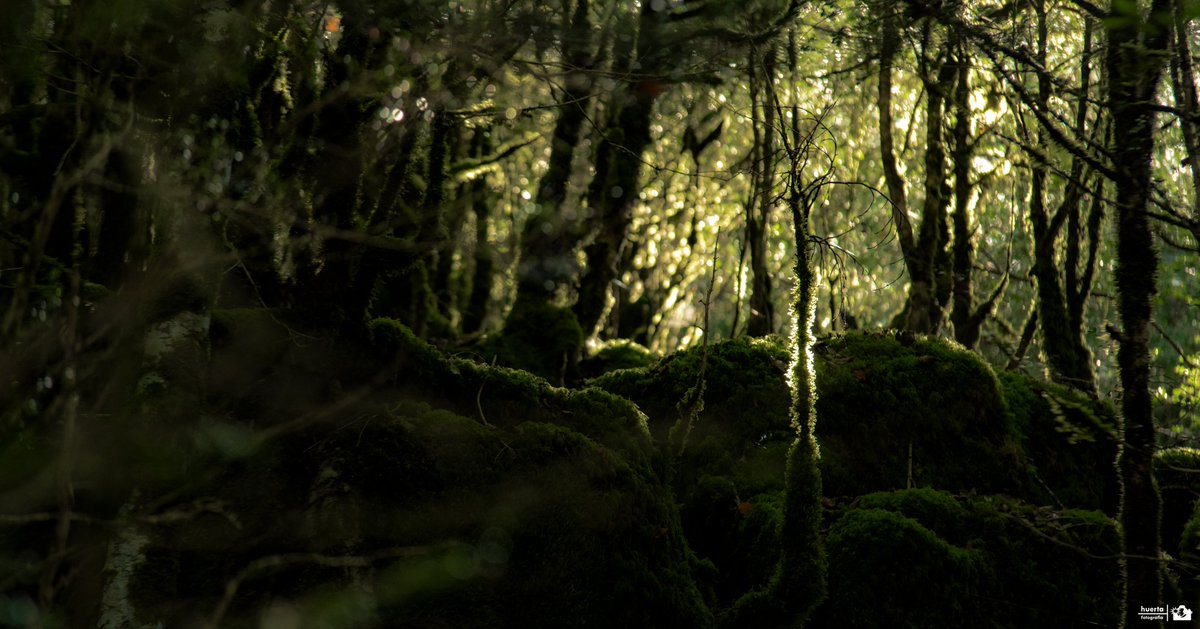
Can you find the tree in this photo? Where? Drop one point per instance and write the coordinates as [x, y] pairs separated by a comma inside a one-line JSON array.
[[1135, 59]]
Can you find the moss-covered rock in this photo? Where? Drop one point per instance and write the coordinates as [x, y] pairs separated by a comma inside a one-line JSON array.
[[923, 558], [1069, 440], [442, 493], [422, 517], [538, 337], [1177, 471], [613, 355], [504, 397], [742, 430], [888, 404]]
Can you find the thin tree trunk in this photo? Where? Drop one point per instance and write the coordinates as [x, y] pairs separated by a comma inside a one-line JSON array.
[[1067, 354], [967, 318], [484, 269], [761, 321]]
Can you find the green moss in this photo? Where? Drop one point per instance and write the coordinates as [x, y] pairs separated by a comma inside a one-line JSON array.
[[1067, 438], [936, 510], [745, 394], [613, 355], [924, 558], [535, 521], [882, 396], [538, 337], [504, 397], [1187, 569], [1178, 473], [889, 570]]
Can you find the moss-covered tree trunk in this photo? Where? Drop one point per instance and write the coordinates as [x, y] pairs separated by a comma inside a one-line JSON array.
[[801, 584], [617, 182], [550, 237], [761, 320], [1062, 340], [926, 253], [1135, 60], [798, 585]]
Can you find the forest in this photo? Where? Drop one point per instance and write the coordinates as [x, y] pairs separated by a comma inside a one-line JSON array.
[[599, 313]]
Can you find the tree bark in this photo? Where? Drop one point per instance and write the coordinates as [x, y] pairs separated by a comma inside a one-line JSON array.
[[614, 189], [1062, 339], [550, 237], [761, 321], [1135, 59]]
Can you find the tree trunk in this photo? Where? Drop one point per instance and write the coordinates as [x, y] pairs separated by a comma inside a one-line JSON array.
[[615, 187], [484, 269], [1135, 61], [1068, 356], [926, 254], [761, 321], [549, 238]]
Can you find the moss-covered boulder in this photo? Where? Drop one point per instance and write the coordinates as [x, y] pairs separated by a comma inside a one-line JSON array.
[[503, 397], [613, 355], [741, 430], [885, 404], [731, 472], [924, 558], [447, 494], [441, 493], [892, 408], [538, 337], [1069, 440], [1177, 471]]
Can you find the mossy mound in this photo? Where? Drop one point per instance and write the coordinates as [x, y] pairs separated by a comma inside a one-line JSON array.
[[924, 558], [504, 397], [878, 394], [538, 337], [742, 429], [1178, 473], [745, 396], [613, 355], [893, 406], [393, 508], [1069, 440], [731, 471]]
